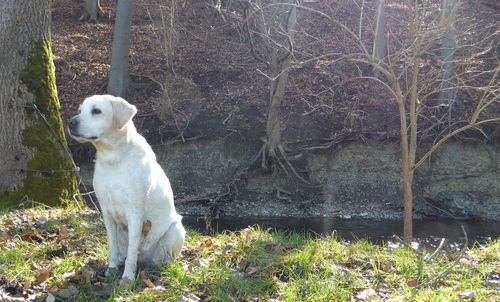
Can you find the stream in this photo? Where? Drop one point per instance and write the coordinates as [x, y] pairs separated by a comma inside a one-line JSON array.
[[426, 232]]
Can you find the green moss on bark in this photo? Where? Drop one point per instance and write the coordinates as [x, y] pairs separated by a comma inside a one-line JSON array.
[[48, 177]]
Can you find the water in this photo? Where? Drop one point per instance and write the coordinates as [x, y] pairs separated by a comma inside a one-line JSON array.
[[426, 232]]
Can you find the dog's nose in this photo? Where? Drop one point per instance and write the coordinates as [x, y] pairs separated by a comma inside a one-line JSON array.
[[73, 124]]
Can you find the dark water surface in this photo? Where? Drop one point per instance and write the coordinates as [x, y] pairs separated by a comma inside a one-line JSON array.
[[427, 232]]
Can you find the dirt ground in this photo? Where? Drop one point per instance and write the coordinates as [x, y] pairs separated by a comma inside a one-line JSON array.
[[215, 84]]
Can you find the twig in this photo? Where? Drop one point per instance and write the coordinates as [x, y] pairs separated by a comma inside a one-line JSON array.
[[193, 199], [361, 19], [441, 244], [452, 265]]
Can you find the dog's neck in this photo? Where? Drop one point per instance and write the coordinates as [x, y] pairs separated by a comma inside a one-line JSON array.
[[111, 147]]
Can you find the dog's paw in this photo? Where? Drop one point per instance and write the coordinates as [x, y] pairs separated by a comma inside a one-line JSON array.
[[111, 272], [150, 265], [125, 284]]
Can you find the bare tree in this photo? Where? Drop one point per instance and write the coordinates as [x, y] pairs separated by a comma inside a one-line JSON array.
[[35, 163], [448, 47], [270, 31], [93, 11], [379, 43], [414, 88], [412, 75], [118, 75], [163, 17]]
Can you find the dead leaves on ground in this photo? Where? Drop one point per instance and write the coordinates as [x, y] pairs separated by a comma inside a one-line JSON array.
[[44, 242], [231, 251], [42, 275], [235, 251], [146, 280], [31, 227]]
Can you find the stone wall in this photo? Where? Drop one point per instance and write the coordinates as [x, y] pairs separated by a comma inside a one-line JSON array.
[[353, 179]]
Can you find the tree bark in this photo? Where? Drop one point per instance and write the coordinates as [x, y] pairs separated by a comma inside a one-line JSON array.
[[279, 62], [379, 39], [118, 75], [406, 168], [277, 94], [34, 163], [449, 43]]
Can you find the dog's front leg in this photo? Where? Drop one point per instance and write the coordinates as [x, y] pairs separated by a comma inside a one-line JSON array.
[[113, 249], [134, 238]]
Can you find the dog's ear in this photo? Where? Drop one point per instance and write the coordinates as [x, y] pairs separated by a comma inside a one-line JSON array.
[[123, 112]]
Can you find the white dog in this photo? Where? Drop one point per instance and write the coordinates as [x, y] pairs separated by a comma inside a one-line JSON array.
[[134, 193]]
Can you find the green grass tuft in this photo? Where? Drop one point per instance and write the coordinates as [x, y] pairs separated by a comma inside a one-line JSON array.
[[247, 265]]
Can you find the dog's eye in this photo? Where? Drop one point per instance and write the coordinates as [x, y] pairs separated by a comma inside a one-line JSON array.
[[96, 111]]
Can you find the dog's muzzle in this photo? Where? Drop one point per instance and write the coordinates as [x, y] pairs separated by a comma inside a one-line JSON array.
[[73, 126], [73, 131]]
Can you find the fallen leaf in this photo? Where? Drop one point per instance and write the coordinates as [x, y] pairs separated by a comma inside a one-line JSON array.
[[146, 280], [63, 232], [27, 285], [87, 274], [42, 275], [8, 222], [68, 275], [202, 262], [50, 298], [412, 282], [32, 236], [6, 235], [278, 248], [365, 294], [188, 297], [251, 270], [102, 289], [68, 292], [158, 287], [388, 266], [467, 295], [207, 242]]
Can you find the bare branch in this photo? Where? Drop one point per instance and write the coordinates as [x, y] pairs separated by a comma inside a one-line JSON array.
[[450, 135]]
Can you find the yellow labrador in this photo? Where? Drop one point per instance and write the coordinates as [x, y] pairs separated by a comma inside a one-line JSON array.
[[133, 191]]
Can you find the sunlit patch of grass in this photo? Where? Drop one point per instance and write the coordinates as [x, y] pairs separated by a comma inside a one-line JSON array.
[[489, 252], [14, 263], [246, 265]]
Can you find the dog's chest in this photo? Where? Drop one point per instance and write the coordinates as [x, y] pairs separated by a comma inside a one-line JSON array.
[[119, 185]]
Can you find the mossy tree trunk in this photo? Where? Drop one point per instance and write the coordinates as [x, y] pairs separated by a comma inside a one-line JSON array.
[[34, 163]]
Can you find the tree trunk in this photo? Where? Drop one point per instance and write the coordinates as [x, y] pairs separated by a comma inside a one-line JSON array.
[[118, 75], [278, 65], [379, 39], [277, 94], [93, 11], [34, 163], [408, 199], [449, 43], [406, 166]]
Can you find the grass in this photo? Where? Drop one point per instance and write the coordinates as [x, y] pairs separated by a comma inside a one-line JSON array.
[[53, 250]]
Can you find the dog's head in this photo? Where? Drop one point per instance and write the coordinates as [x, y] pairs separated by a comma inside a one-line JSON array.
[[99, 117]]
